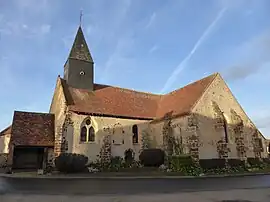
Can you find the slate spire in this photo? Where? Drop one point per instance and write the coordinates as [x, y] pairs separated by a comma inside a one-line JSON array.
[[80, 50]]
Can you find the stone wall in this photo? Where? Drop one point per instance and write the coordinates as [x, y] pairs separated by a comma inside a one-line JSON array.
[[4, 143], [116, 132], [59, 108], [3, 160], [182, 130], [239, 127]]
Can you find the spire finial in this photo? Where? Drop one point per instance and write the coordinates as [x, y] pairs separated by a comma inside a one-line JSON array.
[[81, 14]]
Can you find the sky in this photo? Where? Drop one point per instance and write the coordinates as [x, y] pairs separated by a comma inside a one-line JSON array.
[[154, 46]]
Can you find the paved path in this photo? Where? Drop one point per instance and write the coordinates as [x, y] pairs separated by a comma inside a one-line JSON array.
[[253, 195], [128, 186]]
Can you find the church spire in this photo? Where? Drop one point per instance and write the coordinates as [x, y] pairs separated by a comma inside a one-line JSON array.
[[80, 50]]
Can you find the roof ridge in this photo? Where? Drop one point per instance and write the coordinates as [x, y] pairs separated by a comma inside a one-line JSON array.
[[214, 75], [131, 90]]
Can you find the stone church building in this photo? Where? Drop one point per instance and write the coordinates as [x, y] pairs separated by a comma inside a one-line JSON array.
[[204, 119]]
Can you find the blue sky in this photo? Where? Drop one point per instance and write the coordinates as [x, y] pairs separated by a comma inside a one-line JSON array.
[[154, 46]]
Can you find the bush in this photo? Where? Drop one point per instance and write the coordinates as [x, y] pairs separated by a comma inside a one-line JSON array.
[[129, 156], [181, 160], [266, 160], [236, 163], [184, 164], [152, 157], [212, 163], [116, 163], [71, 163], [254, 161]]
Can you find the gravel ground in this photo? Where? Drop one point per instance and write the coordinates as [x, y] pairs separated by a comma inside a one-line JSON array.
[[239, 195]]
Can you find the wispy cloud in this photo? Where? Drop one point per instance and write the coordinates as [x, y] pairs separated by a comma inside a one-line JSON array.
[[240, 72], [45, 29], [252, 57], [153, 49], [261, 118], [119, 59], [21, 29], [34, 6], [151, 20], [184, 62]]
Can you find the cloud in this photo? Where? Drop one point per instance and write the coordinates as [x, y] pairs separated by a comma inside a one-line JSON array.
[[119, 59], [153, 49], [240, 72], [19, 29], [261, 117], [184, 62], [35, 6], [151, 20], [263, 122], [252, 56], [45, 29]]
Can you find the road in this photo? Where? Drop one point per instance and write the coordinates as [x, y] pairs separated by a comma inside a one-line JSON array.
[[128, 186]]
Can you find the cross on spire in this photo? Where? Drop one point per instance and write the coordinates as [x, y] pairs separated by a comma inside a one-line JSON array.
[[81, 15]]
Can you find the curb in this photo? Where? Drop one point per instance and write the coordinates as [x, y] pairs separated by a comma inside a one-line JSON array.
[[131, 177]]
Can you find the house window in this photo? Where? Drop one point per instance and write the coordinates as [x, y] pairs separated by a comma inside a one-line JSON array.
[[87, 132], [91, 134], [135, 138], [83, 134]]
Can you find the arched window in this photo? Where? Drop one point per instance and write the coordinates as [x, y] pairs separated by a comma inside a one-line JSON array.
[[87, 132], [91, 135], [83, 134], [225, 125], [135, 138]]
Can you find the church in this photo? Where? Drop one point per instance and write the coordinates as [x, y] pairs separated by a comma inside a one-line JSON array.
[[99, 120]]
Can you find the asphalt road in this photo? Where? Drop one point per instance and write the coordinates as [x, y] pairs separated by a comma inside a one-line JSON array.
[[128, 186]]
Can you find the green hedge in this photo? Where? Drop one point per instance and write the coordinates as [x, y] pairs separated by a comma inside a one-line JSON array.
[[71, 163], [152, 157]]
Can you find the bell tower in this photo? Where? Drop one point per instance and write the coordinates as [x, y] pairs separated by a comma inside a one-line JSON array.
[[79, 67]]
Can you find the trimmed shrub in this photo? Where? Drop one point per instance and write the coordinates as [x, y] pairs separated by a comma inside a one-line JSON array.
[[181, 160], [266, 160], [212, 163], [184, 164], [152, 157], [71, 163], [254, 161], [236, 163]]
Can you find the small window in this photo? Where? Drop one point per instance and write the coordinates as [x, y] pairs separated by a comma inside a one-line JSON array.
[[83, 134], [82, 73], [91, 137], [135, 138], [88, 122]]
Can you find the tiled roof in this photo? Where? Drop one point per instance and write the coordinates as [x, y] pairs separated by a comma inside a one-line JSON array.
[[114, 101], [32, 129], [108, 100], [6, 131], [181, 101]]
